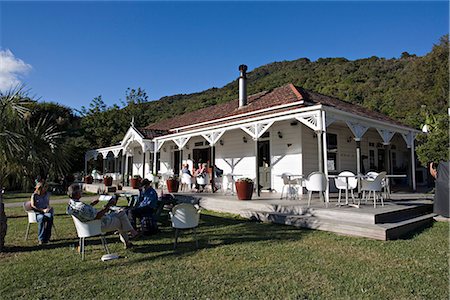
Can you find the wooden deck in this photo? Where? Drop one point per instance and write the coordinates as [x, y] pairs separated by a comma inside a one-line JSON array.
[[403, 215]]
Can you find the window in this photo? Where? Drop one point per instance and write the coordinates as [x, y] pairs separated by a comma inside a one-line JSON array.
[[332, 147], [331, 142]]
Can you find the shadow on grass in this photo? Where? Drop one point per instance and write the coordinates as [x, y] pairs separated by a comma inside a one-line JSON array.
[[215, 231]]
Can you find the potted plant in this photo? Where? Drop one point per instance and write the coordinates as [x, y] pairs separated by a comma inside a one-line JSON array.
[[244, 188], [135, 181], [88, 179], [107, 180], [172, 184]]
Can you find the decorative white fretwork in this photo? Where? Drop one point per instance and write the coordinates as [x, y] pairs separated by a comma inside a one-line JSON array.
[[116, 152], [386, 135], [213, 137], [181, 141], [409, 138], [357, 129], [158, 145], [311, 120], [256, 130]]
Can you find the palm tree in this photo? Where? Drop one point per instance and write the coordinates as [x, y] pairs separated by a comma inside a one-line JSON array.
[[12, 110], [42, 149]]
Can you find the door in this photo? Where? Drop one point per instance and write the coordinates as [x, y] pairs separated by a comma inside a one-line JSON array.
[[264, 164], [201, 156], [176, 162]]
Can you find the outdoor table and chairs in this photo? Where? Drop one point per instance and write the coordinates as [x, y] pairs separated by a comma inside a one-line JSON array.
[[345, 181], [291, 181], [372, 182]]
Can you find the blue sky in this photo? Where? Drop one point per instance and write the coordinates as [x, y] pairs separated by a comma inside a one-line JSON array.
[[71, 52]]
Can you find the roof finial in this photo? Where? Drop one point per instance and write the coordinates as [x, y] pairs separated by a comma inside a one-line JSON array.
[[132, 121]]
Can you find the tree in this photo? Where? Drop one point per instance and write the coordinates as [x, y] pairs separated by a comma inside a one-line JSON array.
[[434, 146], [12, 108]]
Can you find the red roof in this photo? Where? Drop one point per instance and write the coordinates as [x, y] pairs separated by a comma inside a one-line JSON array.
[[286, 94]]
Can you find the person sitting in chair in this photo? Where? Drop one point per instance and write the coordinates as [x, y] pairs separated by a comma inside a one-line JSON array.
[[146, 206], [201, 172], [110, 221], [40, 203]]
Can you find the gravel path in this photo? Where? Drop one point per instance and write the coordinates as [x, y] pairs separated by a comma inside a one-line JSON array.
[[57, 201]]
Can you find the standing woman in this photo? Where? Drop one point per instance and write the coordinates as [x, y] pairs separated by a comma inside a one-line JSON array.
[[40, 202]]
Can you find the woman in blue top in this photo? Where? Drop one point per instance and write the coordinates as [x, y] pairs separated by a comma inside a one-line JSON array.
[[40, 202]]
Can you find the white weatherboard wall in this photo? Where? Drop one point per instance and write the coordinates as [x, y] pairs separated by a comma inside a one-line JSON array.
[[346, 154], [310, 155], [235, 156], [148, 164], [286, 152], [137, 161]]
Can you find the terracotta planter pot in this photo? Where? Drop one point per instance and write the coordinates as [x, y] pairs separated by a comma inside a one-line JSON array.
[[107, 181], [244, 190], [135, 183], [172, 185], [88, 179]]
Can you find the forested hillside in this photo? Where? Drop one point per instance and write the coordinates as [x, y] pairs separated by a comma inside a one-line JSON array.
[[410, 88], [398, 87]]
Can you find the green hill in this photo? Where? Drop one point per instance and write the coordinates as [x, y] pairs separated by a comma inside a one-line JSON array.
[[397, 87]]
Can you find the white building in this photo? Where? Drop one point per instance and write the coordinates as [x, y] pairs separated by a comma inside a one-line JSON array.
[[287, 129]]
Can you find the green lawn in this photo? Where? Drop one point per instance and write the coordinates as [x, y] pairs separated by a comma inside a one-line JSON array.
[[237, 259]]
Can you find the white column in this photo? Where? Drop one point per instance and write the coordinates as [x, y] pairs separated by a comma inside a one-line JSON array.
[[319, 150], [325, 157], [358, 161], [155, 153], [126, 168], [258, 192]]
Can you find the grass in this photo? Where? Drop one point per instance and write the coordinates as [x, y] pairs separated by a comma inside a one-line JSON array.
[[237, 259]]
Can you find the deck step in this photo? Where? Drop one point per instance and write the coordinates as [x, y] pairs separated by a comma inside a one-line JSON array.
[[386, 231], [400, 229]]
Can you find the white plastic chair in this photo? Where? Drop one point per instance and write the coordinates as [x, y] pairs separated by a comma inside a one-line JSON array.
[[291, 185], [374, 186], [185, 216], [186, 181], [89, 229], [227, 184], [384, 183], [32, 218], [316, 182], [346, 184]]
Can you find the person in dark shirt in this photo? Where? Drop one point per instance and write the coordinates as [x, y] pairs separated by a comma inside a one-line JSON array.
[[147, 204], [441, 196]]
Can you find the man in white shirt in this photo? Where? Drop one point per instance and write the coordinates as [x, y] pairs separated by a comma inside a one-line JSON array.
[[110, 222]]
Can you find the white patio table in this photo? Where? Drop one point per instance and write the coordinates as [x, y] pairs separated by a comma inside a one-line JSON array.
[[346, 184]]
